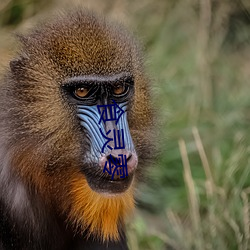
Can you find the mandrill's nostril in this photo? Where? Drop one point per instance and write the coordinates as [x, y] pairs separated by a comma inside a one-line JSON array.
[[129, 157], [112, 158]]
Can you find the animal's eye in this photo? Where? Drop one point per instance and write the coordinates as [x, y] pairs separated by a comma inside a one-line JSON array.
[[81, 92], [118, 89]]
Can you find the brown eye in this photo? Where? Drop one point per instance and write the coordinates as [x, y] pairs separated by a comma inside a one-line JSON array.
[[119, 89], [81, 92]]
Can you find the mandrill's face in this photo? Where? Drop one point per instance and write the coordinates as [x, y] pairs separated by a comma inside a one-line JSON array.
[[81, 104], [101, 102]]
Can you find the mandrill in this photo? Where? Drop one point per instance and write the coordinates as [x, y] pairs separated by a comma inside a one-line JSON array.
[[58, 138]]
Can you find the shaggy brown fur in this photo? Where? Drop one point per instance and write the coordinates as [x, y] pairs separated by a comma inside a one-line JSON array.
[[41, 143]]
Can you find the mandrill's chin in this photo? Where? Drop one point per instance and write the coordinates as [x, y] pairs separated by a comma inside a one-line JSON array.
[[103, 183], [99, 214]]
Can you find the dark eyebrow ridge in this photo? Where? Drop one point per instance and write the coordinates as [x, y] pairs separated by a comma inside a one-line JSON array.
[[98, 78]]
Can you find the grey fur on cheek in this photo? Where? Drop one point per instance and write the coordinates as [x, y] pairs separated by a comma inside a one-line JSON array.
[[14, 193]]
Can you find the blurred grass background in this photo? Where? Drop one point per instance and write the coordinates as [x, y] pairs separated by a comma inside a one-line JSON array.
[[197, 192]]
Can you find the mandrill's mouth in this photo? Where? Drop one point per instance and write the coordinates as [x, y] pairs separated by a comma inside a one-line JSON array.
[[104, 184]]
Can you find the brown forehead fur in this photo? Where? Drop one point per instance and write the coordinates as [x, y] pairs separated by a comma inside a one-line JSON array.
[[81, 43], [43, 132]]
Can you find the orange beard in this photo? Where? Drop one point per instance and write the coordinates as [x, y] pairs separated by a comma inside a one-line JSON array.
[[96, 212]]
